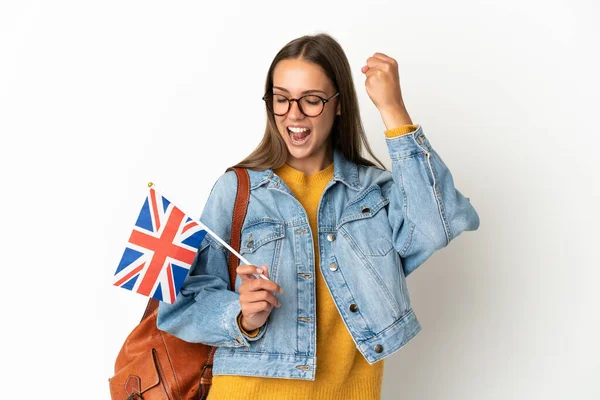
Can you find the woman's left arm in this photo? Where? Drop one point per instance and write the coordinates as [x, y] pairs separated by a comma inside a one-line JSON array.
[[426, 211]]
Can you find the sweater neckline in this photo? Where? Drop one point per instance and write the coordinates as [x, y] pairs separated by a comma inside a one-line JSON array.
[[290, 174]]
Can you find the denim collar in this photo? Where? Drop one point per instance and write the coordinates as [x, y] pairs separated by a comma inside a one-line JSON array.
[[344, 171]]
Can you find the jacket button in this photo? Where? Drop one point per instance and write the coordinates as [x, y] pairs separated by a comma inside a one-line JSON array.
[[353, 307], [331, 237], [378, 348], [333, 267]]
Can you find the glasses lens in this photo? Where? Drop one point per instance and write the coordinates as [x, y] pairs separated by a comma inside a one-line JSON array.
[[311, 105], [280, 104]]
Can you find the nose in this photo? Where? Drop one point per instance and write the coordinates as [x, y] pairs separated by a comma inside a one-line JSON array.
[[294, 112]]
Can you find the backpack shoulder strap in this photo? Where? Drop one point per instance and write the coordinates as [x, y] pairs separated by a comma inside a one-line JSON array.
[[239, 214]]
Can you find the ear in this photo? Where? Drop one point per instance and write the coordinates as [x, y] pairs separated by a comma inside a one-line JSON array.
[[339, 110]]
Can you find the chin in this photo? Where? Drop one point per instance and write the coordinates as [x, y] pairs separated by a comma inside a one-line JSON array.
[[299, 154]]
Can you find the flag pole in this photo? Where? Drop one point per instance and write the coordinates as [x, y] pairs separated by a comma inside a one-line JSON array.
[[218, 239]]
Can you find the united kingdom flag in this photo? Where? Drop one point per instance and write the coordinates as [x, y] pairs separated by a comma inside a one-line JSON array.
[[160, 251]]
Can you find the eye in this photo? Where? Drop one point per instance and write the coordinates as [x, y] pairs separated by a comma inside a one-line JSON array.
[[312, 100], [280, 99]]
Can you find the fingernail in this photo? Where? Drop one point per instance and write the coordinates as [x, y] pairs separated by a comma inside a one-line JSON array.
[[280, 291], [259, 270]]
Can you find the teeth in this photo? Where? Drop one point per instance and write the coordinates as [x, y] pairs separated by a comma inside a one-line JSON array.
[[297, 130]]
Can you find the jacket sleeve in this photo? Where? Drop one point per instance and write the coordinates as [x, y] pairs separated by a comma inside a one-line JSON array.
[[205, 310], [426, 211]]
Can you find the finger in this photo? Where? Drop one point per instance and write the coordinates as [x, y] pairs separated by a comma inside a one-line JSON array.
[[254, 297], [383, 57], [374, 62], [263, 284], [373, 71], [255, 308], [247, 272], [364, 69], [264, 270]]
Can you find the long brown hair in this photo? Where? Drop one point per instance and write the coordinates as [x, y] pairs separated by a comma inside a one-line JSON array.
[[347, 132]]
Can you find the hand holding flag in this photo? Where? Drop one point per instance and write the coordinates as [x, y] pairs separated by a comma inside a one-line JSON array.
[[161, 249]]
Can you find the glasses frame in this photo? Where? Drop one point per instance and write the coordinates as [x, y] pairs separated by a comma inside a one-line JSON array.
[[325, 101]]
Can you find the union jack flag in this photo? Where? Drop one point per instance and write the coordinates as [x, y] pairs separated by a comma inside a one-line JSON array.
[[160, 251]]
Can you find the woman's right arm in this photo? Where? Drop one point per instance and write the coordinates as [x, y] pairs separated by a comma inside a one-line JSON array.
[[206, 310]]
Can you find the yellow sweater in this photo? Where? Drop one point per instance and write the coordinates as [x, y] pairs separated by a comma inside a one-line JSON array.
[[342, 372]]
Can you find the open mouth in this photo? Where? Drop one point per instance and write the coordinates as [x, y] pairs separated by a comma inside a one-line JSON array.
[[298, 136]]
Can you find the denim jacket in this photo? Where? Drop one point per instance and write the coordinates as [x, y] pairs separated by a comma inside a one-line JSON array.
[[375, 227]]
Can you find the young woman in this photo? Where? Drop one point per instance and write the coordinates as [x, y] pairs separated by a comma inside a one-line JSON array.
[[335, 234]]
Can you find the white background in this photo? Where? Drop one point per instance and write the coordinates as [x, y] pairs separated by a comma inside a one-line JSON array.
[[98, 98]]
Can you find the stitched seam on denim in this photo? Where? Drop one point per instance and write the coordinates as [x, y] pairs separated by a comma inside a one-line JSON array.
[[265, 178], [405, 205], [286, 357], [297, 241], [276, 226], [409, 240], [370, 254], [232, 333], [274, 353], [384, 201], [424, 147], [287, 223], [262, 242], [441, 205], [403, 156], [298, 302], [364, 194], [355, 217], [343, 313], [373, 271], [327, 229], [307, 376], [407, 314], [404, 298], [404, 341], [438, 199], [214, 244], [261, 372], [273, 267], [256, 221], [259, 184]]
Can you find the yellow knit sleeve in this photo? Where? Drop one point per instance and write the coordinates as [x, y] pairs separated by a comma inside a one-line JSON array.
[[251, 334], [401, 130]]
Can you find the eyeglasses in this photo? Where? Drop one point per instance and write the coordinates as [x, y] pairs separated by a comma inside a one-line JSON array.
[[310, 105]]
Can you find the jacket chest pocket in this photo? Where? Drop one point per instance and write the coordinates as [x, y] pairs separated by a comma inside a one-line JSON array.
[[261, 242], [364, 223]]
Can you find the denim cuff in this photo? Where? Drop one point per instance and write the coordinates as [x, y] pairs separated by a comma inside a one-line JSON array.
[[408, 145], [230, 319], [252, 334]]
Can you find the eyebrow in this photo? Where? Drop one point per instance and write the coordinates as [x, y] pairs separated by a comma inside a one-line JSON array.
[[305, 92]]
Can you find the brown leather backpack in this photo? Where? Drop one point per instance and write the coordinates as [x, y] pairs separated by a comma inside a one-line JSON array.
[[154, 365]]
